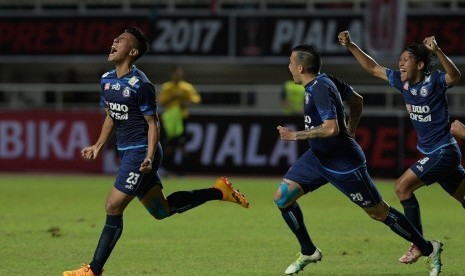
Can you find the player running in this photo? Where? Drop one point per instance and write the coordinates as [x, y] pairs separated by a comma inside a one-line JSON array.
[[335, 157], [131, 112], [424, 90]]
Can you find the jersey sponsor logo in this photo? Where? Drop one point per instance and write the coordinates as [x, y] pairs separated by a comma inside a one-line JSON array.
[[419, 113], [116, 86], [133, 81], [118, 107], [421, 109], [118, 111], [420, 118], [413, 91], [118, 116], [107, 86]]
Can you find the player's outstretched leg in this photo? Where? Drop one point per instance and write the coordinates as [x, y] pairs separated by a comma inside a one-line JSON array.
[[230, 193], [411, 256], [302, 261], [434, 259], [83, 271]]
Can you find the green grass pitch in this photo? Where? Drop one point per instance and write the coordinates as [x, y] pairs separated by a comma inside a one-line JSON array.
[[51, 223]]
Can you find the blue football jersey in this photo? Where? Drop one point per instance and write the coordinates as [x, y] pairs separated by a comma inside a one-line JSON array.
[[343, 88], [426, 104], [340, 153], [128, 99]]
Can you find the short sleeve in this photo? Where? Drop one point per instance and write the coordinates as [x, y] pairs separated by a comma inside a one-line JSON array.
[[323, 102], [344, 89], [393, 77], [147, 99]]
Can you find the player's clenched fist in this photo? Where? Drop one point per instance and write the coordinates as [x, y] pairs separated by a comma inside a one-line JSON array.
[[430, 43], [344, 38], [286, 133]]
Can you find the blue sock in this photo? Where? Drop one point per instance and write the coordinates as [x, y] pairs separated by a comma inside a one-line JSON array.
[[294, 219], [412, 212], [402, 227], [110, 235]]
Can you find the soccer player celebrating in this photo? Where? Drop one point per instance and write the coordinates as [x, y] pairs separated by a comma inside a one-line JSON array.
[[335, 157], [424, 90], [131, 112]]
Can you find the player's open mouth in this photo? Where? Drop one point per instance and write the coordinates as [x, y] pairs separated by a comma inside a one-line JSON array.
[[113, 50], [403, 73]]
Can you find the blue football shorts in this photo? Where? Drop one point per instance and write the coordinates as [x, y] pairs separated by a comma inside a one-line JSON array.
[[130, 180], [442, 166], [356, 184]]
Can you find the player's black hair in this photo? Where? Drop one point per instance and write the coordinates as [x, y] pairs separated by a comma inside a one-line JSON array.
[[309, 57], [421, 53], [142, 42]]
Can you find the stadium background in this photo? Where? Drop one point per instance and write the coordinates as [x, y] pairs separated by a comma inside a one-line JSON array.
[[52, 54]]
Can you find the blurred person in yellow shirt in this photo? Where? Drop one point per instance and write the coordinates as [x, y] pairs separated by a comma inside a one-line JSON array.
[[292, 98], [176, 96]]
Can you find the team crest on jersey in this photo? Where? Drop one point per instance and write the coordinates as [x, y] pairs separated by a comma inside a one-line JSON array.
[[107, 86], [424, 91], [126, 92], [133, 81]]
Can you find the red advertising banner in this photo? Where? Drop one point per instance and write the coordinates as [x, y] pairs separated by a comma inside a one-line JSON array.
[[233, 35], [48, 141], [51, 141]]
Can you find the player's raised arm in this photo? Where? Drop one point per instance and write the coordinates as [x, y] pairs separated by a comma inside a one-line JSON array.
[[453, 75], [367, 62]]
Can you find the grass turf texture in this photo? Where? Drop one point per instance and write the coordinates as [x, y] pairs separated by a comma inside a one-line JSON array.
[[52, 223]]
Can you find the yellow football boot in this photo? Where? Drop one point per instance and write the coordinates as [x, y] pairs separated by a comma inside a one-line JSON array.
[[83, 271], [230, 193]]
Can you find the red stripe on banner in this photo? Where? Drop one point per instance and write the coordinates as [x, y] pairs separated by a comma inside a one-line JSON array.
[[49, 141]]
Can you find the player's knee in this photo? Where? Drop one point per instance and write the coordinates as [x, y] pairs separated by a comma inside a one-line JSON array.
[[376, 216], [398, 189], [158, 213], [282, 197], [378, 212], [157, 209], [113, 209]]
